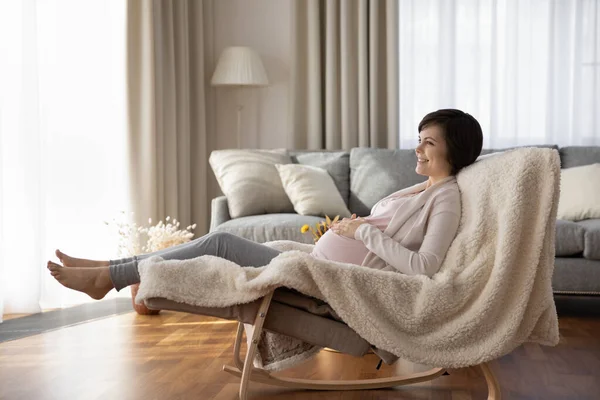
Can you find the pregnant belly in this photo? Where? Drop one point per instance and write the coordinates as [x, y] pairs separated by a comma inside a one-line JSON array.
[[339, 248]]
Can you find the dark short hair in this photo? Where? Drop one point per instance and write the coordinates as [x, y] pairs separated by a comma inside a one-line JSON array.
[[462, 133]]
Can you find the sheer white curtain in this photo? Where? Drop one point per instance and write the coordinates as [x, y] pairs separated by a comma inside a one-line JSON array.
[[528, 70], [62, 142]]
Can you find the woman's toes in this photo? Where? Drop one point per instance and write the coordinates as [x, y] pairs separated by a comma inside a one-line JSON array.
[[53, 266], [55, 269], [65, 259]]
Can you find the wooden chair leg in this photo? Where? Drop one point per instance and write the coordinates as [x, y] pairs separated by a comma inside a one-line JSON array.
[[492, 382], [249, 362], [236, 347]]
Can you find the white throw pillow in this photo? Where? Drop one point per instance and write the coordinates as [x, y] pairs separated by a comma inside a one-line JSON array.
[[250, 182], [579, 193], [312, 190]]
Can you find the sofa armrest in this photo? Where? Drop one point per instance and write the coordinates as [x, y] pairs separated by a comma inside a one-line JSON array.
[[219, 212]]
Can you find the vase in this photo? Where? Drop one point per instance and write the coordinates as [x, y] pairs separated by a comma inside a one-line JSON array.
[[140, 308]]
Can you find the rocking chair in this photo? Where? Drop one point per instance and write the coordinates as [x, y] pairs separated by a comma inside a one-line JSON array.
[[273, 313]]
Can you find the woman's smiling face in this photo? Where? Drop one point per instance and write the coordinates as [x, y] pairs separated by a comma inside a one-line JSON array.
[[432, 154]]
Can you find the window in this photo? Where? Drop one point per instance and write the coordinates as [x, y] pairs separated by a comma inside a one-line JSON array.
[[526, 69], [63, 142]]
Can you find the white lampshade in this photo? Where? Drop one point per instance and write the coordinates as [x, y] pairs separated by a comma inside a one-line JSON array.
[[239, 66]]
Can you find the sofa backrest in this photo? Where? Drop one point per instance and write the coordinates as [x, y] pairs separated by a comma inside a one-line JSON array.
[[544, 146], [575, 156], [376, 173], [365, 175]]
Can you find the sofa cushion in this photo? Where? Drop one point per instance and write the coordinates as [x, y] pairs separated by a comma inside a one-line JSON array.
[[591, 238], [376, 173], [576, 274], [269, 227], [575, 156], [569, 238], [337, 163], [250, 180]]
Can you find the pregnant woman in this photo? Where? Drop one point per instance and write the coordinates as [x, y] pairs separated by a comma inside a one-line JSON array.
[[408, 231]]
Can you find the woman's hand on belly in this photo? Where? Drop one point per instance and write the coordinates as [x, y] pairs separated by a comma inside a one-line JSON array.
[[348, 226]]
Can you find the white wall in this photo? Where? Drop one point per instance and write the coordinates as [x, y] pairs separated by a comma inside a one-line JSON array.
[[265, 26]]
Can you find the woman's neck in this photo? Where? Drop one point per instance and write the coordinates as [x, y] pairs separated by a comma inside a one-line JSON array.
[[433, 180]]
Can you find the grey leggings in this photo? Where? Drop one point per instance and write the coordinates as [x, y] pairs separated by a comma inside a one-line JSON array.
[[124, 272]]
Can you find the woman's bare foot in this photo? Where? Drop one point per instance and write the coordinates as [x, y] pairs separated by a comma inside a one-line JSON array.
[[72, 262], [95, 282]]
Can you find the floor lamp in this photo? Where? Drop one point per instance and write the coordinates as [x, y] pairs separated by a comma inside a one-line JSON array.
[[239, 67]]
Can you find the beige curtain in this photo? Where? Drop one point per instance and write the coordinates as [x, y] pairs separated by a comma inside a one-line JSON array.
[[166, 104], [344, 90]]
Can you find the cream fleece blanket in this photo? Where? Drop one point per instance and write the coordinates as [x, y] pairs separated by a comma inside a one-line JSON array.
[[492, 294]]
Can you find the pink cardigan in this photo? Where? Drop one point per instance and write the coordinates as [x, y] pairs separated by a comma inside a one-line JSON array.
[[420, 232]]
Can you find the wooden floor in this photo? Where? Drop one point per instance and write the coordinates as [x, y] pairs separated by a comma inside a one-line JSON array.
[[180, 356]]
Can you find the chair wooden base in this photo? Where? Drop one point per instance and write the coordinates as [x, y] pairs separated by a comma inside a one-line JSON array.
[[248, 372]]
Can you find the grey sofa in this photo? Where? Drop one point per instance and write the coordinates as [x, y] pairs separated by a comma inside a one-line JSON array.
[[365, 175]]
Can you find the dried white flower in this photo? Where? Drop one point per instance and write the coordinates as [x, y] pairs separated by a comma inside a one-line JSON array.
[[158, 237]]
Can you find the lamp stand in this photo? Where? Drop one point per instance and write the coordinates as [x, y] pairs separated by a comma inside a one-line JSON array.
[[239, 123], [239, 108]]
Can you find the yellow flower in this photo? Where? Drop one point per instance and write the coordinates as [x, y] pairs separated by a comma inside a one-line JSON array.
[[321, 227]]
